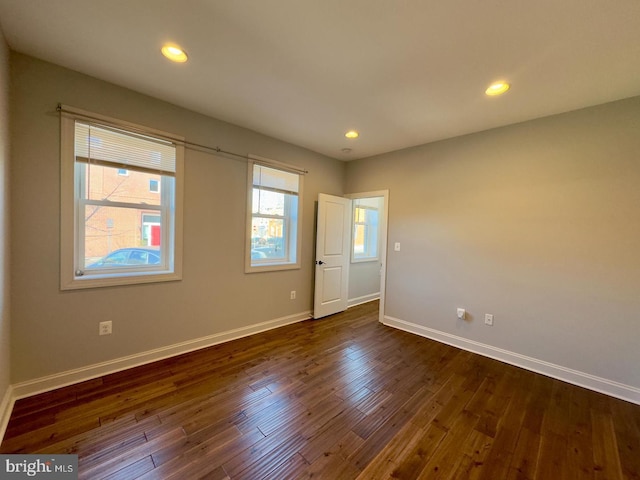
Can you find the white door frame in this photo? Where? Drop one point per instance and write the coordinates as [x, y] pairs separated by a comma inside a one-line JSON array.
[[382, 241]]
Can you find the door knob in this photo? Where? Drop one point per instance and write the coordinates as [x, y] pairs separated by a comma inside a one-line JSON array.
[[319, 262]]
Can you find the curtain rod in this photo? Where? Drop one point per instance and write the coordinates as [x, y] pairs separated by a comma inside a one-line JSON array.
[[191, 145]]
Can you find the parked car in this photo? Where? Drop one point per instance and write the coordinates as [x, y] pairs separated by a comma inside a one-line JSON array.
[[257, 254], [129, 256]]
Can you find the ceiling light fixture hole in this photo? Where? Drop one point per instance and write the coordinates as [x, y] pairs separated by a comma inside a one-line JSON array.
[[352, 134], [497, 88], [174, 53]]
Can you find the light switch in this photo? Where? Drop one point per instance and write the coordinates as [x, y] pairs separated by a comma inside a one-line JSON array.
[[396, 247]]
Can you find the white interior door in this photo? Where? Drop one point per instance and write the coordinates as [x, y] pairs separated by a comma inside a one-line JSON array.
[[332, 255]]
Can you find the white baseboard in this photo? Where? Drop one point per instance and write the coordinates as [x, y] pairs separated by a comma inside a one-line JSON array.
[[575, 377], [6, 406], [352, 302], [51, 382]]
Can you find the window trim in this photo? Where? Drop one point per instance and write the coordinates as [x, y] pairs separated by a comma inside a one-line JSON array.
[[280, 265], [68, 206]]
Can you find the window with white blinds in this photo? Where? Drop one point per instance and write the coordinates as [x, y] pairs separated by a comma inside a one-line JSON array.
[[110, 146], [273, 218], [122, 198]]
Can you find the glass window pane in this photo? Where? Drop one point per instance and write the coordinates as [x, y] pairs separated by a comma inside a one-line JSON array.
[[266, 202], [372, 217], [359, 238], [267, 238], [104, 183], [116, 236], [116, 258]]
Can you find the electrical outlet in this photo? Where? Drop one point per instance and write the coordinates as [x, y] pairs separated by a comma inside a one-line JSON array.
[[462, 313], [105, 328], [293, 294], [488, 319]]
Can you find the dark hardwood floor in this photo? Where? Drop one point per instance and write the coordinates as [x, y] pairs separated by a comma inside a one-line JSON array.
[[339, 398]]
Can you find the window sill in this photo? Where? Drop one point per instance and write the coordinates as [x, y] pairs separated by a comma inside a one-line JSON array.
[[96, 281], [274, 267], [364, 260]]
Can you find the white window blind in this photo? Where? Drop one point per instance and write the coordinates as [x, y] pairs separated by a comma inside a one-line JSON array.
[[100, 144], [276, 180]]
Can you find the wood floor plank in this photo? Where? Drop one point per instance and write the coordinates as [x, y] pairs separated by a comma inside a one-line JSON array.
[[346, 446], [329, 466], [605, 447], [525, 456], [290, 469], [383, 464], [102, 465], [185, 455], [323, 439], [474, 450], [503, 453], [538, 403], [107, 439], [446, 459], [397, 414], [339, 398], [133, 470], [52, 401], [415, 460], [627, 427], [552, 460], [266, 455], [34, 440], [579, 443], [202, 452]]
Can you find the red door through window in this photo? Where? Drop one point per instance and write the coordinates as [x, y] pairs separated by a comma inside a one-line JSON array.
[[155, 235]]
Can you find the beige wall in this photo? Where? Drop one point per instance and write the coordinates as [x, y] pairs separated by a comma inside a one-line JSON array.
[[56, 331], [364, 280], [5, 364], [537, 223]]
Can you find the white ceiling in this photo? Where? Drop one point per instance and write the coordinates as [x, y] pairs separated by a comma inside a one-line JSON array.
[[402, 72]]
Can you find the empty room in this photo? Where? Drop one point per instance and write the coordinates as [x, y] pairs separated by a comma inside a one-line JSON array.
[[319, 239]]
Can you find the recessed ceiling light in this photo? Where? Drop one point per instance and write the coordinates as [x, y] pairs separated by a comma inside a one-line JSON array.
[[352, 134], [174, 53], [497, 88]]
